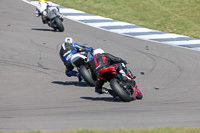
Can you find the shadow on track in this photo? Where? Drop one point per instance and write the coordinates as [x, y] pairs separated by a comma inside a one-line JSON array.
[[84, 84], [43, 29], [76, 83], [107, 99]]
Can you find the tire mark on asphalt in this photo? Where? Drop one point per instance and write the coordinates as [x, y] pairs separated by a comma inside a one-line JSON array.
[[152, 57], [41, 66], [42, 45], [29, 66]]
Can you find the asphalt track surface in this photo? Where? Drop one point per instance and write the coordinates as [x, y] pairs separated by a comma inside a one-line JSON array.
[[35, 94]]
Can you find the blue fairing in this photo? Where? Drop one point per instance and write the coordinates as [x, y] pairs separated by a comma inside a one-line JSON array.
[[69, 56], [90, 56], [76, 46]]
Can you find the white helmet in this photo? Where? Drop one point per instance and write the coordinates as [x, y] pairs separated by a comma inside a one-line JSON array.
[[69, 41], [98, 51]]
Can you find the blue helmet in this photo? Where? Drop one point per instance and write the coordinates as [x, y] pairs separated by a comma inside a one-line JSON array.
[[69, 41]]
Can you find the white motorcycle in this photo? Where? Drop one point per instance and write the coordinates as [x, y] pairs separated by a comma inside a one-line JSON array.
[[52, 17], [81, 62]]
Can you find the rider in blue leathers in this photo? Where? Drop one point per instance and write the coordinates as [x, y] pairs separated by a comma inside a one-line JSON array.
[[68, 48]]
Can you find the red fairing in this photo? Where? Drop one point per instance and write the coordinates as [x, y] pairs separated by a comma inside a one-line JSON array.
[[108, 69], [130, 76]]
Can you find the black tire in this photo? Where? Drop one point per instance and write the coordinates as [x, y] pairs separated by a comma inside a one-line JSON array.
[[119, 91], [59, 24], [86, 75], [139, 97]]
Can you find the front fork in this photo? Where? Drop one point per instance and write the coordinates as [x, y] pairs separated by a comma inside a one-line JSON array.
[[129, 88]]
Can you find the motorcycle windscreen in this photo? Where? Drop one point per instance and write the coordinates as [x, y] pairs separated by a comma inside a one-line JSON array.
[[52, 12]]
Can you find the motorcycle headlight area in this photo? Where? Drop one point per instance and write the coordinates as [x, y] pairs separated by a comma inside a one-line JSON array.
[[44, 13], [54, 11]]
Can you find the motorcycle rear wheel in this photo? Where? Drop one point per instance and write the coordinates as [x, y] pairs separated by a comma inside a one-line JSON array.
[[86, 75], [59, 24], [124, 96]]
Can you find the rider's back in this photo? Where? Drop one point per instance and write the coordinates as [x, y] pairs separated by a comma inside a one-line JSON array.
[[103, 60]]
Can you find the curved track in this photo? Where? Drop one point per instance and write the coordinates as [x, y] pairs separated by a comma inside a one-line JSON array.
[[35, 94]]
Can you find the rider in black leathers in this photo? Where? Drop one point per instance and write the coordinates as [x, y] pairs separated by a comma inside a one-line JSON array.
[[68, 48], [103, 60]]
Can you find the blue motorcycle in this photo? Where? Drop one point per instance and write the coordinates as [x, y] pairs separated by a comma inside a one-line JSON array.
[[81, 62]]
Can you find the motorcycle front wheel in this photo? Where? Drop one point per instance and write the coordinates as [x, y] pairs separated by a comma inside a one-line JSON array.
[[87, 76], [121, 93], [59, 24]]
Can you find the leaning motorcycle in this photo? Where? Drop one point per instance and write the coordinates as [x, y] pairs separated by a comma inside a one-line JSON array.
[[53, 18], [125, 90], [81, 62]]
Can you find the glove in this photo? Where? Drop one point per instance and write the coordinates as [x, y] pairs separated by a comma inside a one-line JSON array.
[[91, 49], [123, 65], [125, 62]]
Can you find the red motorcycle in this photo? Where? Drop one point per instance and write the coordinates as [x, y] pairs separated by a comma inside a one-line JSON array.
[[125, 90]]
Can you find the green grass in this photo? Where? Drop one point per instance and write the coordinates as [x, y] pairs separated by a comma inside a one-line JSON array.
[[174, 16], [153, 130]]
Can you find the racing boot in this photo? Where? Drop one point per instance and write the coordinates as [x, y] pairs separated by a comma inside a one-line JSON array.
[[80, 78], [70, 73], [101, 91]]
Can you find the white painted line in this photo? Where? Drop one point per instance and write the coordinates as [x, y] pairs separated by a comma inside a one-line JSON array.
[[32, 3], [85, 17], [64, 10], [182, 42], [160, 36], [136, 30], [109, 24], [198, 49], [35, 3], [130, 30], [26, 1], [53, 4]]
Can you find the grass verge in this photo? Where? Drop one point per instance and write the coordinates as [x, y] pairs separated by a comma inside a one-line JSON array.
[[173, 16], [153, 130]]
